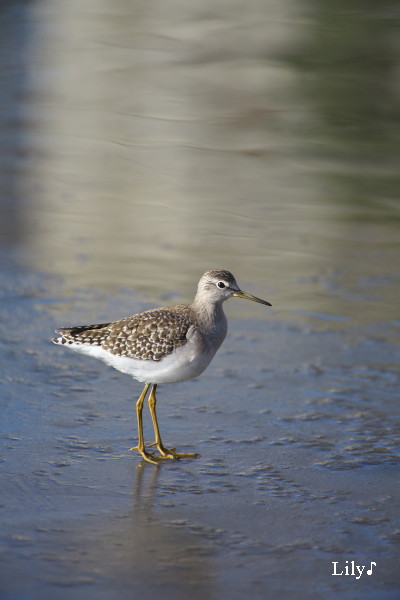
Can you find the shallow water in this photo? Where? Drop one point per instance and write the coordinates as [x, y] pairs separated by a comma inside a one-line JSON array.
[[140, 148]]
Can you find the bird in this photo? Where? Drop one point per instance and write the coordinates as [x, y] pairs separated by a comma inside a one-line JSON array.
[[162, 345]]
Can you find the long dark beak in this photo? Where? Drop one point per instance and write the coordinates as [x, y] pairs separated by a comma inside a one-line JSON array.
[[246, 296]]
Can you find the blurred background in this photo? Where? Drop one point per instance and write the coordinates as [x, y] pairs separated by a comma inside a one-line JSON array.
[[144, 142]]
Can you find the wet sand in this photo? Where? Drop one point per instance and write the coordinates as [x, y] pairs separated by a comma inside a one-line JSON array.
[[297, 429], [140, 147]]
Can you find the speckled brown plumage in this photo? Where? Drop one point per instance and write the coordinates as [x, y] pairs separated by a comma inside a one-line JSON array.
[[150, 335], [162, 345]]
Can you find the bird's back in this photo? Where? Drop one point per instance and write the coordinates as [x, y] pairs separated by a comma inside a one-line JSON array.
[[150, 335]]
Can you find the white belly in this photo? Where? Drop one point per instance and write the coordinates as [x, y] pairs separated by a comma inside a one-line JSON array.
[[186, 362]]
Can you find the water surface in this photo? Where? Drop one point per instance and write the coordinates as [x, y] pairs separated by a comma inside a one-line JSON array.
[[142, 146]]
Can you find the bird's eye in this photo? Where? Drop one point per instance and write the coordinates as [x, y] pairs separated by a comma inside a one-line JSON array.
[[221, 285]]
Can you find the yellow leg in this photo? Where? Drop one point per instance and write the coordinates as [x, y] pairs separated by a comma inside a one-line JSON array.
[[148, 456], [165, 452]]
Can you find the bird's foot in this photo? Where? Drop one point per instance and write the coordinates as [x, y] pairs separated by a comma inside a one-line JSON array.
[[171, 454], [165, 454], [148, 456]]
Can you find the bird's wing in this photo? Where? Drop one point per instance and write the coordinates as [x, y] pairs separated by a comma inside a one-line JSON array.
[[149, 335]]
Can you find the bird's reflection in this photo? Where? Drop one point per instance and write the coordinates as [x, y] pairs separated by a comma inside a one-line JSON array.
[[145, 486], [160, 540]]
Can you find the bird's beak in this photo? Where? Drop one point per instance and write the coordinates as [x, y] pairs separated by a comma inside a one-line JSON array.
[[246, 296]]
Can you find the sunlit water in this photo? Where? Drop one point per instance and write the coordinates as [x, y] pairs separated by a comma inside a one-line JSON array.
[[142, 144]]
